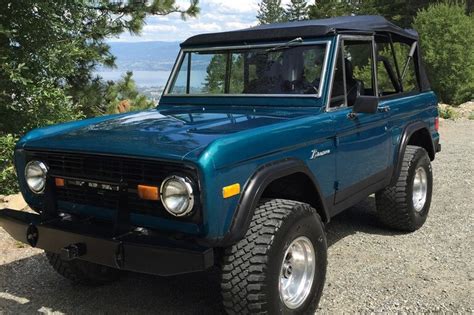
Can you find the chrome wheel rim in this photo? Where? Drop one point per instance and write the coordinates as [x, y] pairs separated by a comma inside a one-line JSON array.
[[297, 272], [420, 189]]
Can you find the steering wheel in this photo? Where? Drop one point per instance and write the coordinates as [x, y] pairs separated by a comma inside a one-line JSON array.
[[311, 88]]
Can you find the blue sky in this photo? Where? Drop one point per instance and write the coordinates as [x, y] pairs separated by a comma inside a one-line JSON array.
[[215, 16]]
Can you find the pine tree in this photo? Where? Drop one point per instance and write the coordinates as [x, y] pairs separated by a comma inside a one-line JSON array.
[[297, 10], [331, 8], [270, 11]]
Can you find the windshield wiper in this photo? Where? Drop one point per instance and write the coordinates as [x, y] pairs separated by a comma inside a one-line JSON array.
[[290, 44]]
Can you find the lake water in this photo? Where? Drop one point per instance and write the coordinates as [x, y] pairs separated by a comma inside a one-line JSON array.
[[143, 79], [147, 79]]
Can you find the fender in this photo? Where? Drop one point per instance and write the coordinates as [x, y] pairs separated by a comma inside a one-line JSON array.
[[254, 189], [409, 130]]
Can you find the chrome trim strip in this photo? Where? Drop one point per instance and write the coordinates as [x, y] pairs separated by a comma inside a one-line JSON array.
[[374, 61], [331, 79], [172, 76], [325, 69], [182, 52], [344, 74]]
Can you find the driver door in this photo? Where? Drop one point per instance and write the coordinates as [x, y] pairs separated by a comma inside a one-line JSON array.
[[362, 140]]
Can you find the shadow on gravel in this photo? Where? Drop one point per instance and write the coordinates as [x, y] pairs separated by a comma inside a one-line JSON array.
[[359, 219], [30, 285]]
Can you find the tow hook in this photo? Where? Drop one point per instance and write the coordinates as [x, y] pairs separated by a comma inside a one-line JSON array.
[[32, 235], [73, 251]]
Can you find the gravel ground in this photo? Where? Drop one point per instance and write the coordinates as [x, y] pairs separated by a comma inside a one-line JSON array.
[[370, 269]]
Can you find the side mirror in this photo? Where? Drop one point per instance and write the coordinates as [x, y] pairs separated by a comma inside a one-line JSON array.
[[366, 104]]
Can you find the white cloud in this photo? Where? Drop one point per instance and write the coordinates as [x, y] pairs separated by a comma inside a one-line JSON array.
[[205, 27], [156, 28], [238, 25], [241, 6]]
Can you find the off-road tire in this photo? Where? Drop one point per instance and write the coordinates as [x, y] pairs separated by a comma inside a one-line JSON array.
[[394, 204], [82, 272], [251, 268]]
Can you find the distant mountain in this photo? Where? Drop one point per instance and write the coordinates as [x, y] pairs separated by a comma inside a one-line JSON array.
[[144, 56]]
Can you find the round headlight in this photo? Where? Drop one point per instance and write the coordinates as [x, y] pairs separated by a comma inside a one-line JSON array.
[[35, 174], [177, 195]]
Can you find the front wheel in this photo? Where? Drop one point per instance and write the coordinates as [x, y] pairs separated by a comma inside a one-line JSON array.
[[280, 265], [405, 205]]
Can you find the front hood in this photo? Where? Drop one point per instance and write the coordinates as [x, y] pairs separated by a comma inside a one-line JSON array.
[[165, 133]]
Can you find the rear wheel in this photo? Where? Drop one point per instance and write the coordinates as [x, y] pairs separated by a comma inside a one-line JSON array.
[[82, 272], [405, 205], [280, 265]]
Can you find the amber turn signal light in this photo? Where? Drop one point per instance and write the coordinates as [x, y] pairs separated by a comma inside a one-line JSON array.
[[148, 192], [230, 191], [59, 182]]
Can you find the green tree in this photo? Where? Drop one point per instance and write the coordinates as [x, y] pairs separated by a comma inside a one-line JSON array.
[[331, 8], [400, 12], [297, 10], [8, 182], [469, 7], [270, 11], [447, 41], [122, 96], [216, 71]]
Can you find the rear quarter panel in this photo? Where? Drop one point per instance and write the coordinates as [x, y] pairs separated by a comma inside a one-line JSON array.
[[409, 109]]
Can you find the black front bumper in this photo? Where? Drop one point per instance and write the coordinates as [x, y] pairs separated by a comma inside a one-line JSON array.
[[133, 251]]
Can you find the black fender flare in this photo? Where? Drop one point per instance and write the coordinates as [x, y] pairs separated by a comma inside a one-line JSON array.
[[254, 189], [409, 130]]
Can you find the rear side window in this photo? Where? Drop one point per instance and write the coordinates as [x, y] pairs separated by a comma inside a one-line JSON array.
[[392, 65], [410, 82], [387, 76]]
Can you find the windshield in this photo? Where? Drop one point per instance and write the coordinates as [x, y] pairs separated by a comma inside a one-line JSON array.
[[294, 70]]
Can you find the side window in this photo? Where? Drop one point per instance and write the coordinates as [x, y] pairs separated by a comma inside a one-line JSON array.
[[354, 73], [359, 69]]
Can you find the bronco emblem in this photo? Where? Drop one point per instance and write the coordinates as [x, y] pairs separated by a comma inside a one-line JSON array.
[[316, 154]]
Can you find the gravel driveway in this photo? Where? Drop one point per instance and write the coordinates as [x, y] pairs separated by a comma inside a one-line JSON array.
[[370, 269]]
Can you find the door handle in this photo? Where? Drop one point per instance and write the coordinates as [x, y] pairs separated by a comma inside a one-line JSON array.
[[384, 109]]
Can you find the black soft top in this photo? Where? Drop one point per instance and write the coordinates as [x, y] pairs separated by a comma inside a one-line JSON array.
[[362, 24]]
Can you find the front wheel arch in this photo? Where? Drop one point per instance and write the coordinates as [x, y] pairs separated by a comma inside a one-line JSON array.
[[255, 188]]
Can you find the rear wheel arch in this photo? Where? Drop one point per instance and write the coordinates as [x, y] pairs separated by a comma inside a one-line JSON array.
[[416, 134], [265, 183], [422, 138]]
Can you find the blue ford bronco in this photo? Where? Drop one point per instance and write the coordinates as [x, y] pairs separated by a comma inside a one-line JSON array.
[[262, 135]]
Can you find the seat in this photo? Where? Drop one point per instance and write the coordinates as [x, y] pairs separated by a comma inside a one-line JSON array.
[[354, 87]]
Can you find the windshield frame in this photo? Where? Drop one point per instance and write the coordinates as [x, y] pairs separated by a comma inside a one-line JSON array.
[[182, 54]]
